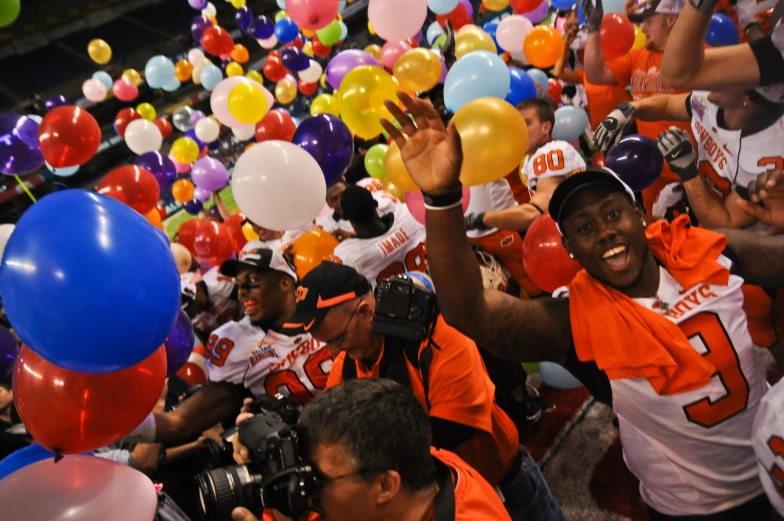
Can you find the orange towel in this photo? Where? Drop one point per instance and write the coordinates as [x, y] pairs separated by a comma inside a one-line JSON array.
[[629, 341]]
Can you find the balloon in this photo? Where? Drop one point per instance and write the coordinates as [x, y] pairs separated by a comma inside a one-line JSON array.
[[442, 6], [234, 225], [433, 32], [255, 76], [330, 34], [198, 4], [193, 206], [395, 21], [62, 172], [131, 185], [217, 41], [247, 102], [286, 30], [160, 166], [278, 185], [23, 457], [154, 218], [344, 62], [234, 69], [219, 100], [261, 28], [19, 149], [554, 90], [172, 86], [543, 46], [312, 14], [243, 17], [99, 51], [133, 76], [181, 119], [476, 40], [320, 49], [361, 97], [539, 77], [275, 125], [617, 36], [104, 78], [418, 70], [274, 70], [558, 377], [285, 91], [58, 100], [639, 38], [307, 89], [637, 160], [159, 71], [722, 31], [329, 141], [312, 73], [512, 31], [524, 6], [458, 17], [141, 136], [391, 52], [295, 60], [210, 76], [522, 87], [396, 172], [9, 11], [179, 343], [244, 133], [207, 130], [570, 123], [210, 174], [479, 74], [183, 70], [495, 5], [531, 367], [124, 90], [201, 195], [123, 118], [94, 90], [68, 136], [213, 244], [146, 111], [325, 104], [374, 161], [240, 53], [311, 249], [185, 150], [189, 229], [544, 257], [416, 203], [182, 257], [538, 14], [9, 346], [194, 372], [182, 191]]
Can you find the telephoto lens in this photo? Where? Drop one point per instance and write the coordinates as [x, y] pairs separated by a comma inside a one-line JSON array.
[[222, 490]]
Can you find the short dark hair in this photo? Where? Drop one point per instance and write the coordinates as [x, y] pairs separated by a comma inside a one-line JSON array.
[[544, 109], [358, 204], [379, 424]]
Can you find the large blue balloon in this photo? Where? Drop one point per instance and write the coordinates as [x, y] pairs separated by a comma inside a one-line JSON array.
[[329, 141], [478, 74], [539, 77], [636, 159], [286, 30], [570, 123], [25, 456], [722, 31], [159, 71], [88, 284], [522, 86]]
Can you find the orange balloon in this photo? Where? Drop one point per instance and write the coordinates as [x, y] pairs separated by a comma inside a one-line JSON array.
[[311, 249], [307, 33], [154, 216], [183, 70], [211, 19], [543, 46], [182, 191], [240, 53]]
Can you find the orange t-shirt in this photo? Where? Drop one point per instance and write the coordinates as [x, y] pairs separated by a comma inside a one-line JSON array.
[[458, 392], [602, 99]]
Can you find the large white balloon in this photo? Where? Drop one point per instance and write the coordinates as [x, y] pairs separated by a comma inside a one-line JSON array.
[[312, 74], [278, 185], [143, 136], [5, 233], [207, 129]]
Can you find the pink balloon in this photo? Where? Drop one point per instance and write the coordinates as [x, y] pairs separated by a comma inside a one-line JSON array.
[[391, 52], [195, 56], [559, 24], [181, 168], [398, 20], [538, 14], [469, 7], [312, 14], [219, 100], [125, 90], [94, 90], [511, 32], [416, 203], [87, 488]]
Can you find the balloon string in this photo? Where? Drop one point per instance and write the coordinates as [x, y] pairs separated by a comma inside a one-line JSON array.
[[24, 187]]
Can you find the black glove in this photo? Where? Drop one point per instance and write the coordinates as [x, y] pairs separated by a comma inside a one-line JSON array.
[[593, 15], [704, 6], [614, 126], [475, 221], [676, 147]]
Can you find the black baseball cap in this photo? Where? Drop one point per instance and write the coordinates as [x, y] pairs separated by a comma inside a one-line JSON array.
[[579, 180], [324, 287], [261, 258]]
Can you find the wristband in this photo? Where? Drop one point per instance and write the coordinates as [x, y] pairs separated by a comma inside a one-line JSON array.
[[688, 173], [444, 201], [145, 432]]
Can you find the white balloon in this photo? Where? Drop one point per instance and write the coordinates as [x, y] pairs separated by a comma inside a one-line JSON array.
[[278, 185], [196, 74], [269, 43], [182, 256], [196, 56], [143, 136], [207, 129], [244, 133], [511, 33], [94, 90], [5, 233], [209, 10], [312, 74]]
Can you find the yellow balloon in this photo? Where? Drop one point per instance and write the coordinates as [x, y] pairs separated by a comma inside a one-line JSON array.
[[255, 76], [323, 81], [247, 231], [185, 150], [370, 28], [146, 111], [247, 103], [99, 51], [285, 91], [361, 97], [325, 104], [396, 170], [418, 70], [395, 190], [473, 40], [238, 4], [375, 51], [494, 138], [234, 69], [308, 48], [133, 76], [639, 38], [495, 5]]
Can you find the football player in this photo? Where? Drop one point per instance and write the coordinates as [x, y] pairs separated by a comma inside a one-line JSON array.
[[209, 302]]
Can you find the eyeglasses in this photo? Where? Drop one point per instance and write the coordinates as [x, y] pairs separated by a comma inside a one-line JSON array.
[[322, 480], [342, 336]]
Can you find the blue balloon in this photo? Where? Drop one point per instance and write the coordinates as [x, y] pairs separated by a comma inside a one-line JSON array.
[[522, 87], [261, 27], [88, 284], [341, 6], [159, 71], [580, 17], [210, 76], [243, 16], [478, 74], [193, 207], [613, 6], [491, 28], [192, 134], [281, 4], [637, 160], [433, 32], [722, 31], [25, 456], [294, 60], [173, 85], [563, 5], [286, 30], [570, 123], [296, 121], [104, 78], [539, 77], [556, 376], [329, 141], [442, 6], [62, 172], [343, 31]]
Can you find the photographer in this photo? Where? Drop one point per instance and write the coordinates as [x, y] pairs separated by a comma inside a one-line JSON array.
[[443, 369], [370, 445]]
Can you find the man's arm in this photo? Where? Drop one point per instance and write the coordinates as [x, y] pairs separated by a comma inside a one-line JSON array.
[[713, 213], [760, 257], [596, 71], [664, 107], [560, 71]]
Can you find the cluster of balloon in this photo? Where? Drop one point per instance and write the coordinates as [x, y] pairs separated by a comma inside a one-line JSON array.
[[63, 245], [311, 249], [545, 259], [637, 160]]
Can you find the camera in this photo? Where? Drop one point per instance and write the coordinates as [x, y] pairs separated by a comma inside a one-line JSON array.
[[278, 476], [406, 306]]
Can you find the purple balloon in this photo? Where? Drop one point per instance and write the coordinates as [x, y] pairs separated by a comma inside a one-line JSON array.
[[196, 115], [19, 149], [193, 207], [198, 24], [159, 166], [215, 212], [329, 141], [201, 194], [295, 60], [192, 134], [469, 7], [9, 348], [179, 343], [637, 160], [198, 4], [261, 27], [538, 14], [243, 16], [344, 62], [209, 173], [58, 100]]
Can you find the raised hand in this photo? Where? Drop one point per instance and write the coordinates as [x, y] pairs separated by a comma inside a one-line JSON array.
[[593, 15], [678, 150], [614, 126], [431, 153], [767, 190]]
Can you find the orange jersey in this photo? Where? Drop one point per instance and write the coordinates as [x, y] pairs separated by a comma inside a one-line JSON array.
[[602, 99]]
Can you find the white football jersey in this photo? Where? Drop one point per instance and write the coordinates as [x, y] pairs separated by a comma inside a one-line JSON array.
[[487, 198], [330, 225], [224, 305], [768, 441], [554, 159], [268, 362], [386, 200], [747, 9], [399, 250], [278, 245]]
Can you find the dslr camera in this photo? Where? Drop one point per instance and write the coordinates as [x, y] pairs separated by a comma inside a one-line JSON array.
[[406, 306], [278, 477]]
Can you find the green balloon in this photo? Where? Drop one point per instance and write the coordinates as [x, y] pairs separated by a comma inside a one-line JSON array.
[[330, 34], [9, 10], [374, 161], [440, 41], [532, 367], [280, 15]]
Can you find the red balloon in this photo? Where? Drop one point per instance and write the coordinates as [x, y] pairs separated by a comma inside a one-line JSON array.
[[234, 224], [298, 43], [617, 35], [164, 126], [319, 49], [274, 70], [123, 118], [69, 136], [192, 374], [598, 159], [275, 55], [544, 257], [70, 412], [217, 41], [458, 17], [524, 6], [162, 211], [554, 89], [187, 234], [214, 243], [131, 185], [275, 125], [308, 89], [412, 43]]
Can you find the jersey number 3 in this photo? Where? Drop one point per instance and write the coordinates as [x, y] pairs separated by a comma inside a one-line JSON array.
[[721, 354]]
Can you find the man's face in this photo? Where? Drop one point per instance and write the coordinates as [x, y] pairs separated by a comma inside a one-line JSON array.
[[657, 28], [605, 234], [349, 328], [263, 295], [538, 133], [333, 196], [263, 233]]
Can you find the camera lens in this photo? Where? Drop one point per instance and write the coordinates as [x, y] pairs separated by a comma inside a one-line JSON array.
[[223, 490]]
